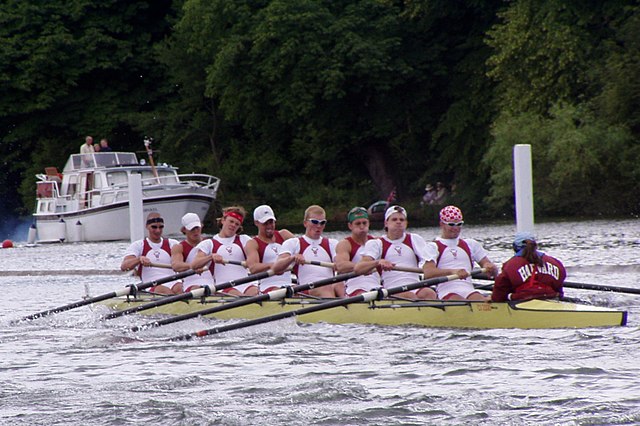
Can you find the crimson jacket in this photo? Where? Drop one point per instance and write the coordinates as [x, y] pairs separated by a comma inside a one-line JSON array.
[[522, 280]]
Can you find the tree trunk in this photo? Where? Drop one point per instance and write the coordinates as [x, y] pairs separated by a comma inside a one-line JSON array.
[[378, 163]]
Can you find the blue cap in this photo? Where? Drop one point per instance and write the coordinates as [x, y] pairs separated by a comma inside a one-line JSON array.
[[520, 238]]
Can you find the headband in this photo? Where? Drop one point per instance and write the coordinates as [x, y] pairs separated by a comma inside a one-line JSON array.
[[155, 220], [235, 216]]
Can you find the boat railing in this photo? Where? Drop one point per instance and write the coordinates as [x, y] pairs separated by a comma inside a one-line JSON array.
[[201, 180]]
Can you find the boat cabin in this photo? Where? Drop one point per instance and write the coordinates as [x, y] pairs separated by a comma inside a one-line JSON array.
[[97, 179]]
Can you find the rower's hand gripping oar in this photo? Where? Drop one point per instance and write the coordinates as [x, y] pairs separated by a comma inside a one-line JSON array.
[[194, 294], [278, 294], [364, 297], [126, 291]]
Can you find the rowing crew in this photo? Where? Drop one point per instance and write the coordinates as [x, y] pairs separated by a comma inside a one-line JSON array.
[[394, 259]]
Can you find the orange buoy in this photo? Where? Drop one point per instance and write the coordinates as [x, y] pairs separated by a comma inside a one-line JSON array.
[[7, 244]]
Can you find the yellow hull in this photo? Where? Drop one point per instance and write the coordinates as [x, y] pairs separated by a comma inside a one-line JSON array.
[[450, 314]]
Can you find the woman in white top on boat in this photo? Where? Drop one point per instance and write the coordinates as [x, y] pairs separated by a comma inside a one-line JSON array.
[[227, 245]]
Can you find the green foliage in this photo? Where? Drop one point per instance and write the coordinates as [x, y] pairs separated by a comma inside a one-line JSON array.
[[336, 102]]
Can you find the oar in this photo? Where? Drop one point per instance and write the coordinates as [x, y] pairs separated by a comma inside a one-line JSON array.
[[128, 290], [364, 297], [278, 294], [614, 289], [585, 286], [395, 268], [199, 292]]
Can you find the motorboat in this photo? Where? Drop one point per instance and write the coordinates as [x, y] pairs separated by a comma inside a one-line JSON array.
[[89, 200]]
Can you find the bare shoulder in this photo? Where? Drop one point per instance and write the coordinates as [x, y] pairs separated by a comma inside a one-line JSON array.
[[286, 234]]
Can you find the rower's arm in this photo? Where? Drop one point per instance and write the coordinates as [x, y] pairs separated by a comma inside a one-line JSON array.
[[430, 270], [129, 263], [283, 262], [366, 265], [342, 259], [201, 260], [253, 258], [177, 259]]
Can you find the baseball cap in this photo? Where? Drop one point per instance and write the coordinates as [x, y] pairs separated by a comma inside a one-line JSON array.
[[450, 214], [190, 221], [394, 209], [263, 213], [357, 213], [520, 238]]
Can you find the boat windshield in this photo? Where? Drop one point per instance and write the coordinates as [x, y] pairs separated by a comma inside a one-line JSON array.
[[100, 159]]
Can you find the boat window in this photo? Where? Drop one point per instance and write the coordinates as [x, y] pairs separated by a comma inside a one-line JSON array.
[[105, 159], [117, 178], [167, 177], [73, 183], [126, 158]]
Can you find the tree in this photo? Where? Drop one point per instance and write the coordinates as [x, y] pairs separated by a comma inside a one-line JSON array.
[[71, 68]]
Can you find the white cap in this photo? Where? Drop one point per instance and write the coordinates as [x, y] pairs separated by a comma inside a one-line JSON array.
[[394, 209], [263, 213], [190, 221]]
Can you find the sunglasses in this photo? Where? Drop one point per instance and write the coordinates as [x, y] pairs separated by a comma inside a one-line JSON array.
[[318, 221], [455, 223], [157, 226]]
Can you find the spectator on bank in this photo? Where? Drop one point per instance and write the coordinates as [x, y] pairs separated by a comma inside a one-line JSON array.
[[441, 194], [429, 195]]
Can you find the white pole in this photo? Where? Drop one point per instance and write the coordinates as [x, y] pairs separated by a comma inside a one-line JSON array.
[[136, 219], [523, 184]]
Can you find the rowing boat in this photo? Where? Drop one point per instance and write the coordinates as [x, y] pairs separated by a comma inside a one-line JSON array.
[[450, 314]]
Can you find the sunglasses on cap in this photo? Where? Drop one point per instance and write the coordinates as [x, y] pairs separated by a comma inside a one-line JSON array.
[[318, 221], [455, 223]]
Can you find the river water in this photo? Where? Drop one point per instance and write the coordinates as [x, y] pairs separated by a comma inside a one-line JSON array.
[[72, 368]]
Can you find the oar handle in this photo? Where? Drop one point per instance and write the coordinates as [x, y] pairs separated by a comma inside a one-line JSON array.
[[318, 263], [160, 265], [407, 269], [236, 262]]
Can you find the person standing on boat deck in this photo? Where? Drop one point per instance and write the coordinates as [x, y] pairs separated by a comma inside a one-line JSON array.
[[104, 146], [349, 253], [87, 146], [153, 249], [529, 274], [396, 248], [449, 254], [312, 246], [263, 249], [227, 244], [184, 253]]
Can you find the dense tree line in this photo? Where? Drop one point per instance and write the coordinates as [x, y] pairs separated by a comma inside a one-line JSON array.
[[335, 102]]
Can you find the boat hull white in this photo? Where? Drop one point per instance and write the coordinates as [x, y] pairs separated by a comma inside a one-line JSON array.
[[89, 201], [106, 223]]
